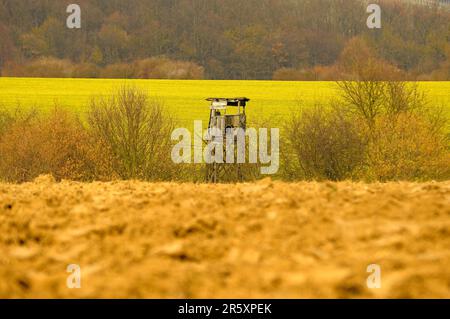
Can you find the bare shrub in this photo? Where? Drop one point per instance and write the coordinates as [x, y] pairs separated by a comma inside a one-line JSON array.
[[5, 121], [322, 143], [291, 74], [316, 73], [118, 71], [404, 97], [86, 70], [45, 67], [164, 68], [327, 73], [407, 147], [364, 98], [56, 144], [10, 116], [370, 99], [377, 131], [137, 132], [150, 68]]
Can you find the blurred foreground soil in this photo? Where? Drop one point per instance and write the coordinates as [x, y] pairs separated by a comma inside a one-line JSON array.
[[262, 240]]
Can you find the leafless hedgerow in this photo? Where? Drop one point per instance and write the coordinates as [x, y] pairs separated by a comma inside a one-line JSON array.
[[377, 130], [322, 143], [136, 131], [56, 144], [371, 98]]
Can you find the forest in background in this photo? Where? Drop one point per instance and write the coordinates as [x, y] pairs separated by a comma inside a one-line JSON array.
[[218, 39]]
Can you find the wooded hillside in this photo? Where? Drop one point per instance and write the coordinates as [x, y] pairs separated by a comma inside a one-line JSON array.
[[217, 39]]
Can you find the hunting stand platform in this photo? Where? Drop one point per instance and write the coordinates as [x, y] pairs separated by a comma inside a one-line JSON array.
[[226, 114]]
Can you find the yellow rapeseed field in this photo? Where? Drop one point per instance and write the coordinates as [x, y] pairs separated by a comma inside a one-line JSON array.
[[185, 98]]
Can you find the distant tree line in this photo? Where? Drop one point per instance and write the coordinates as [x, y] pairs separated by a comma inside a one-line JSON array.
[[217, 39]]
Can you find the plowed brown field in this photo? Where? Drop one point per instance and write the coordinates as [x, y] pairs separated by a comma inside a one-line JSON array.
[[268, 239]]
